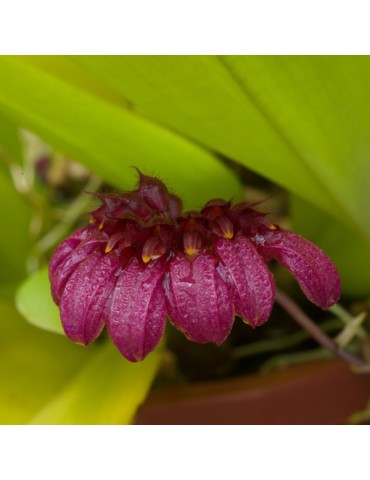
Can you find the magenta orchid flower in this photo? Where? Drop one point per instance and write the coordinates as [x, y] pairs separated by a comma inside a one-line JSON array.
[[141, 259]]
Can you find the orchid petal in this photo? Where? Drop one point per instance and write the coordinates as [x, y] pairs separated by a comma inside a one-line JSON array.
[[313, 270], [85, 296], [66, 248], [61, 271], [136, 316], [251, 282], [198, 300]]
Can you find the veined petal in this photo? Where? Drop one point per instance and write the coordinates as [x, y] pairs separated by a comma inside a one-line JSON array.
[[313, 270], [66, 248], [198, 300], [136, 316], [59, 274], [85, 296], [251, 282]]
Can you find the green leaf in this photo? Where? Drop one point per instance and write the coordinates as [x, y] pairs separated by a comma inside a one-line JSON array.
[[15, 212], [35, 303], [47, 379], [303, 122], [69, 71], [10, 145], [107, 138], [108, 390], [14, 238], [34, 365], [343, 247]]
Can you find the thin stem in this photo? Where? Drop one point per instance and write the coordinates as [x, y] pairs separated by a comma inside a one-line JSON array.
[[56, 234], [347, 319], [70, 216], [280, 343], [305, 322], [282, 361]]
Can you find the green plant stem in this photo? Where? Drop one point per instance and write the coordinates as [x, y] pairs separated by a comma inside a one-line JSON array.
[[282, 361], [347, 319], [280, 343], [70, 216], [305, 322]]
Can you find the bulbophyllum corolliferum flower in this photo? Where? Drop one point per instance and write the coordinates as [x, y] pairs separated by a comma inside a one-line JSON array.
[[141, 259]]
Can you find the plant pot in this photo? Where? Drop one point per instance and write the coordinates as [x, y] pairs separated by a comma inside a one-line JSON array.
[[319, 392]]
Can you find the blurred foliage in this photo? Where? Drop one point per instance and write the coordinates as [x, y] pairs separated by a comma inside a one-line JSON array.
[[195, 121], [302, 122], [35, 305], [46, 379], [106, 137], [15, 219]]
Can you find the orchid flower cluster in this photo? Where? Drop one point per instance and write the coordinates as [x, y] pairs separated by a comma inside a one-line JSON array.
[[141, 259]]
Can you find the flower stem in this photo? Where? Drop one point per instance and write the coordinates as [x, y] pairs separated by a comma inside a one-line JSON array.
[[281, 342], [71, 214], [348, 319], [305, 322]]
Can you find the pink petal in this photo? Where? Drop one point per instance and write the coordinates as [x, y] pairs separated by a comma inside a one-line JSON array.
[[66, 247], [59, 272], [313, 270], [85, 296], [198, 300], [251, 282], [136, 316]]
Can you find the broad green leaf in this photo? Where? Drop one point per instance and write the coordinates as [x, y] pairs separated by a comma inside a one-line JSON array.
[[35, 303], [107, 138], [10, 145], [348, 253], [14, 238], [108, 390], [15, 212], [47, 379], [34, 366], [70, 72], [303, 122]]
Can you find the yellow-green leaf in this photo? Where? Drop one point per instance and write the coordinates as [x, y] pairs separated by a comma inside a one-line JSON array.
[[303, 122], [14, 238], [107, 138], [108, 390], [35, 303], [47, 379]]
